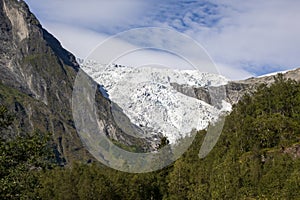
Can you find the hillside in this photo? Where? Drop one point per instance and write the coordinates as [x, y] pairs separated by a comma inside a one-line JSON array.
[[256, 157]]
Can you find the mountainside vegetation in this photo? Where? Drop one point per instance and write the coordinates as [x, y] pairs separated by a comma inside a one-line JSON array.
[[257, 157], [43, 157]]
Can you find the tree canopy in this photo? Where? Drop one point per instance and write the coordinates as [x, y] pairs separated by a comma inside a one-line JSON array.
[[256, 157]]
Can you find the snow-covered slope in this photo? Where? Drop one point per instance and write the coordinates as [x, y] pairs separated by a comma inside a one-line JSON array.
[[146, 96]]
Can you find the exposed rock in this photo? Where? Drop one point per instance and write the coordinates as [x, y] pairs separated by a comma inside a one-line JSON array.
[[233, 91], [36, 82]]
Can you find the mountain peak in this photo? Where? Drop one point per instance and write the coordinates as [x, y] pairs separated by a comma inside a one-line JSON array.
[[148, 96]]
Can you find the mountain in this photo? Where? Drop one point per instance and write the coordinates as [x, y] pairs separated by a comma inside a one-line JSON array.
[[36, 83], [37, 77], [257, 156], [172, 102], [148, 96], [237, 89], [234, 90]]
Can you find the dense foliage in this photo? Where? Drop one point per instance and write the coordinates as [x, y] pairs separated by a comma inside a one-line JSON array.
[[256, 157], [21, 159]]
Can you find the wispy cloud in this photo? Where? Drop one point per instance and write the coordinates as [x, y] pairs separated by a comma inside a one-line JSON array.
[[243, 38], [260, 36], [101, 15], [77, 39]]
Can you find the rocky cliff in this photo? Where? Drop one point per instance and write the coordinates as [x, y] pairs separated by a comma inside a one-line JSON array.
[[233, 91], [36, 82]]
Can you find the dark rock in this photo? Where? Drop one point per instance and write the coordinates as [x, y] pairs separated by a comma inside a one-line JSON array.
[[36, 83]]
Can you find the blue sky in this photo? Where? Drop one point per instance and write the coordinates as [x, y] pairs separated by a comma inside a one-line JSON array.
[[244, 38]]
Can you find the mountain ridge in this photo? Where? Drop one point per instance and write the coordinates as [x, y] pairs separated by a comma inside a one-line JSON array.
[[153, 91], [36, 83], [147, 96], [235, 90], [36, 79]]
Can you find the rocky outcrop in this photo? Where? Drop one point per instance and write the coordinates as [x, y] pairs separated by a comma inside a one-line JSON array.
[[36, 83], [234, 90]]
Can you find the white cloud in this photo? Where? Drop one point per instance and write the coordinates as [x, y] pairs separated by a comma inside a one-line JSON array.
[[233, 73], [149, 57], [255, 34], [92, 14], [78, 40], [162, 40], [242, 37]]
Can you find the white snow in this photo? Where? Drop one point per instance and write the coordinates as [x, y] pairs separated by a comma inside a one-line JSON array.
[[226, 107], [146, 96]]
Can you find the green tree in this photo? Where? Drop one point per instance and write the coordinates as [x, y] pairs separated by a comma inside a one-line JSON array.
[[21, 159]]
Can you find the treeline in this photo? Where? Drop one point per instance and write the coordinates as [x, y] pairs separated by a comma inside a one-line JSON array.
[[257, 157]]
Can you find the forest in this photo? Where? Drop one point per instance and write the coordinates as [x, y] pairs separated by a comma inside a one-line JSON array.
[[256, 157]]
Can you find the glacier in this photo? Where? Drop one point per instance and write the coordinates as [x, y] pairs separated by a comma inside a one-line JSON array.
[[149, 100]]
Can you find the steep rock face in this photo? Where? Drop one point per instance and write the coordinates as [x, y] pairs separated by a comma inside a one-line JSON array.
[[233, 91], [36, 82], [36, 79], [236, 90]]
